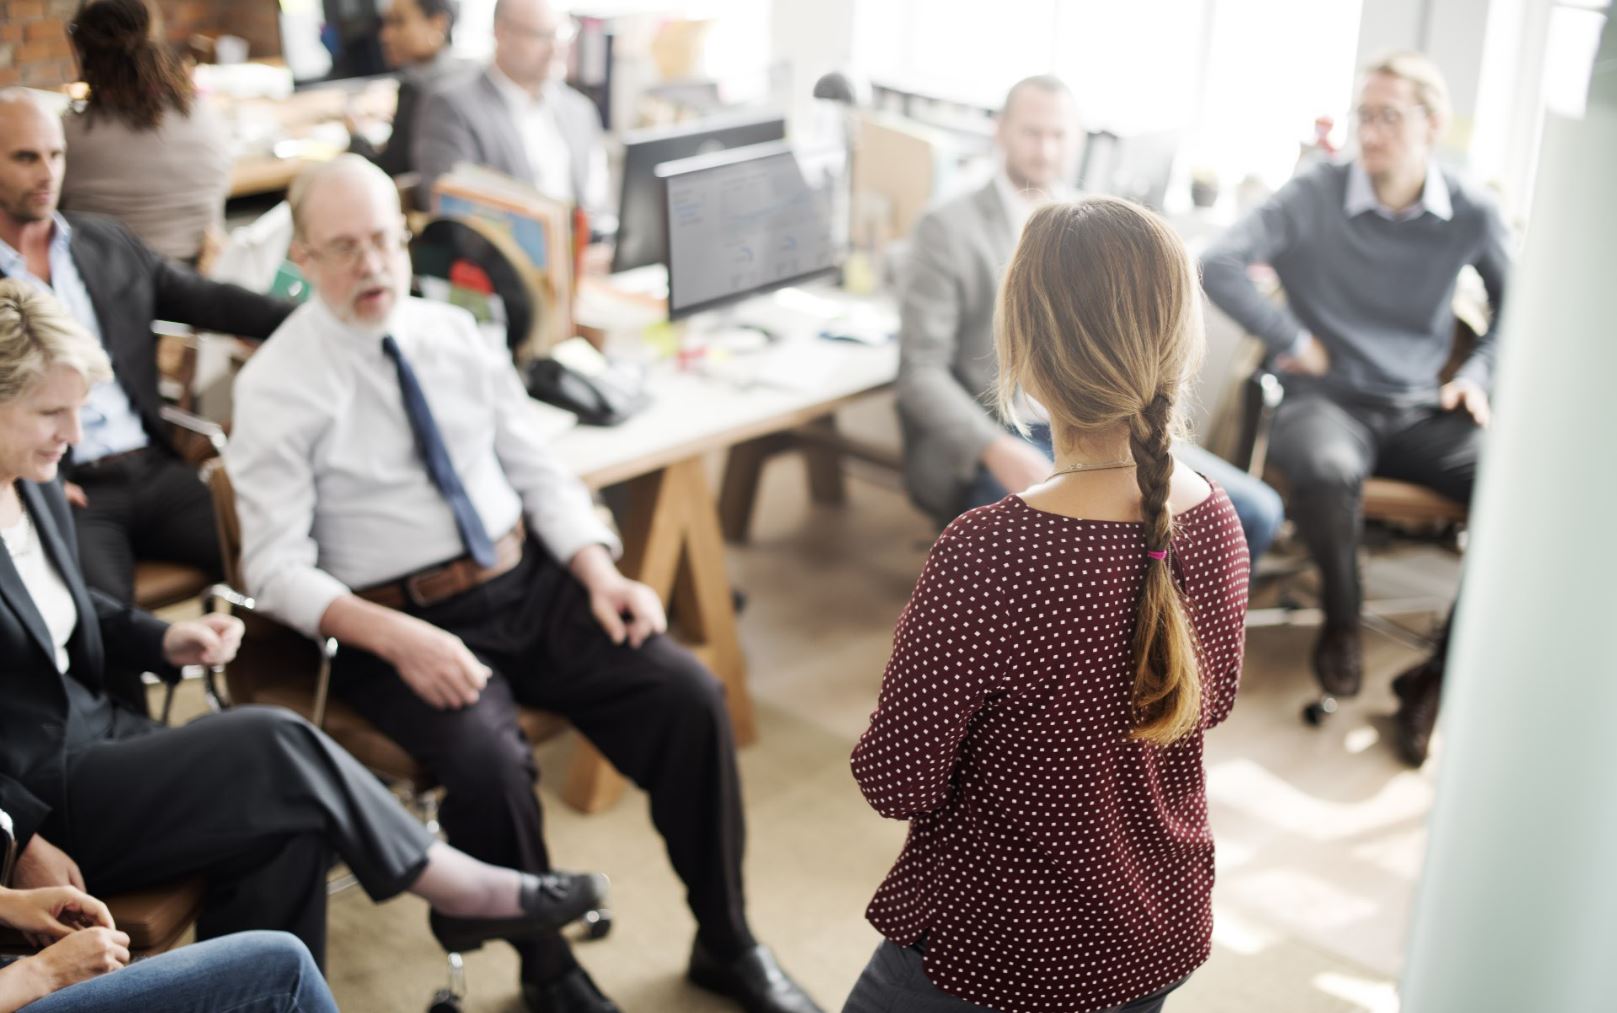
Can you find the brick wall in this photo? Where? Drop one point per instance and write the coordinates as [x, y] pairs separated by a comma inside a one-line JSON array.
[[33, 42]]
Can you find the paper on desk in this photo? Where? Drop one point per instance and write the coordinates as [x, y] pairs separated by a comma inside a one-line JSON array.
[[796, 365]]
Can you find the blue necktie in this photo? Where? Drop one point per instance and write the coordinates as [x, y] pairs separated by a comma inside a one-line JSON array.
[[431, 444]]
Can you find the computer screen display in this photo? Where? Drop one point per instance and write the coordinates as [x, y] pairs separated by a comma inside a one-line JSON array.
[[642, 238], [750, 220]]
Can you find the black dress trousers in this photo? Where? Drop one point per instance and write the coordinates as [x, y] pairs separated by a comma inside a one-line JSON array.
[[255, 799], [656, 713]]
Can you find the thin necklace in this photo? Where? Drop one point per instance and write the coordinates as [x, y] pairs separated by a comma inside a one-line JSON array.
[[1073, 469]]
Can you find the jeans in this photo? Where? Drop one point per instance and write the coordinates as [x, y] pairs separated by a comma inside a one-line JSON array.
[[895, 982], [1257, 505], [249, 972]]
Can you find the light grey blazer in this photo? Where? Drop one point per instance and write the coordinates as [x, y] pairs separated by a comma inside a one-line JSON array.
[[946, 346], [469, 121]]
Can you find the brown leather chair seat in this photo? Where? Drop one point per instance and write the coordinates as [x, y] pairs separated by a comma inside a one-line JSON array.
[[1387, 499], [160, 584]]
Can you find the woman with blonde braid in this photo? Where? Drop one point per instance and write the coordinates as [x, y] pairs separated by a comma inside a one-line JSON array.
[[1040, 722]]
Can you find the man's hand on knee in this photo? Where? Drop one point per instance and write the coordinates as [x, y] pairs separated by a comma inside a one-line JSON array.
[[1468, 395], [626, 609], [436, 664], [1307, 358]]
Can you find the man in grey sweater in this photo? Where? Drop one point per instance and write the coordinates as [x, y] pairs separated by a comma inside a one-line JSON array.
[[1369, 253]]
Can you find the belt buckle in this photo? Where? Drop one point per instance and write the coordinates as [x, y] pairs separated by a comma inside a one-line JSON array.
[[416, 592]]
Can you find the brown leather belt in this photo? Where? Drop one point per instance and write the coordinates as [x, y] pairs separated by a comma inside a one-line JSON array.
[[440, 583]]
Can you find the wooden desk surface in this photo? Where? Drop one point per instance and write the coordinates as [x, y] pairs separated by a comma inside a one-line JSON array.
[[692, 414], [258, 174]]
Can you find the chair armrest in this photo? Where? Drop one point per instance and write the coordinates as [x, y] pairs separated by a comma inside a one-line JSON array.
[[1262, 395], [239, 602], [196, 425]]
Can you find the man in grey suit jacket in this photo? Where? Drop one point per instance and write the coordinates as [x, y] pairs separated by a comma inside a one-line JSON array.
[[516, 117], [957, 455]]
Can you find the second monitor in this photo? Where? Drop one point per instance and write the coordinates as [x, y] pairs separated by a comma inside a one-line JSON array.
[[642, 238], [746, 221]]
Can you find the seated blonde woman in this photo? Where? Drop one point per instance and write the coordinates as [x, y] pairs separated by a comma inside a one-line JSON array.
[[255, 799]]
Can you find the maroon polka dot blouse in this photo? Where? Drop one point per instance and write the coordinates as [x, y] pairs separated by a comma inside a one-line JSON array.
[[1053, 864]]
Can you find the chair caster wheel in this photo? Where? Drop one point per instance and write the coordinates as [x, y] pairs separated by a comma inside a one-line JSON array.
[[444, 1001], [597, 924], [1315, 713]]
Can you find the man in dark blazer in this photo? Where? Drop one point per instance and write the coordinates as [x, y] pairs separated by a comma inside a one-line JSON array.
[[516, 117], [134, 496]]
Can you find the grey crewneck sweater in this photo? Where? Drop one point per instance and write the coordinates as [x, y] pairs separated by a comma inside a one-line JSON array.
[[1377, 293]]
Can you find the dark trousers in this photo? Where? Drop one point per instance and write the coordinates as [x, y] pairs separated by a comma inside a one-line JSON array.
[[256, 800], [656, 713], [1328, 446], [895, 981], [147, 505]]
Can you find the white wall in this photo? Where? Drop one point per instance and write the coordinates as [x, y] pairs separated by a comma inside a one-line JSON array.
[[1515, 908]]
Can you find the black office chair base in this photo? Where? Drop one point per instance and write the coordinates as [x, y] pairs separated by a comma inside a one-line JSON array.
[[1315, 713], [596, 924], [445, 1002]]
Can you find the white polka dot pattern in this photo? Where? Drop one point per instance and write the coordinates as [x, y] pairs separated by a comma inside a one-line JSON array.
[[1053, 864]]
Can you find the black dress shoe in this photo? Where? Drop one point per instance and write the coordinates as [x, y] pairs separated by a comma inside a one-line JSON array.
[[1418, 691], [549, 901], [573, 992], [753, 979], [1339, 661]]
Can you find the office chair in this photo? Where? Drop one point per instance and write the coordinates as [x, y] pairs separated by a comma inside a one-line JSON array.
[[278, 666], [1404, 510], [155, 918]]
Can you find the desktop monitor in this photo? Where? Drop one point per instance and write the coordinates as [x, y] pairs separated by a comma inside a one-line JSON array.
[[750, 220], [642, 239]]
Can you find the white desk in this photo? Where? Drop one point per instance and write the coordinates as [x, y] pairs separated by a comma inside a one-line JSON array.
[[673, 535]]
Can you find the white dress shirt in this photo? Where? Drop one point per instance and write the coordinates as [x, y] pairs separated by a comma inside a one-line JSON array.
[[1019, 207], [331, 491], [45, 586], [1434, 199], [111, 424], [549, 155]]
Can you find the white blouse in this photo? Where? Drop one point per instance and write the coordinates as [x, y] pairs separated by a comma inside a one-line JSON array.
[[44, 584]]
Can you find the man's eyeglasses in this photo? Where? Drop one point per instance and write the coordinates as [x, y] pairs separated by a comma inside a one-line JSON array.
[[562, 33], [1391, 117], [348, 252]]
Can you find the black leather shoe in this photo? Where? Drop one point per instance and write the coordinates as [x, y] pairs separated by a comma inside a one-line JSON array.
[[573, 992], [1418, 691], [1339, 661], [549, 901], [753, 979]]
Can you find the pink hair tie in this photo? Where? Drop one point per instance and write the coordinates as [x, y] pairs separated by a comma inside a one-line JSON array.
[[1158, 554]]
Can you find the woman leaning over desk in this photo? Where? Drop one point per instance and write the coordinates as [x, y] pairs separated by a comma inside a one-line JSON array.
[[1040, 722]]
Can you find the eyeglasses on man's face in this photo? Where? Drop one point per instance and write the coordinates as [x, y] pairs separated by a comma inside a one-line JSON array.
[[348, 251], [1390, 116]]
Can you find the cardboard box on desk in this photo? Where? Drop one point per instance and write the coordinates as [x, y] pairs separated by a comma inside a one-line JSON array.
[[539, 227]]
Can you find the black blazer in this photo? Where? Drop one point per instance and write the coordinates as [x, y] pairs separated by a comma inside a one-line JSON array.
[[131, 285], [33, 701]]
